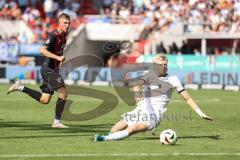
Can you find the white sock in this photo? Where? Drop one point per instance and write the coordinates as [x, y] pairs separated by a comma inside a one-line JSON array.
[[56, 121], [20, 88], [117, 135]]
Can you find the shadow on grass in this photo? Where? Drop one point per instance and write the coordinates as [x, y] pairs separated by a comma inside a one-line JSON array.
[[44, 136], [215, 137], [73, 130]]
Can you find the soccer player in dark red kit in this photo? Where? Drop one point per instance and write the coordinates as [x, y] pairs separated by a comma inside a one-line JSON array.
[[52, 81]]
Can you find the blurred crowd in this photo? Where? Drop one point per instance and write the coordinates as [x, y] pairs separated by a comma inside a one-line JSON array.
[[40, 15], [158, 16], [200, 15]]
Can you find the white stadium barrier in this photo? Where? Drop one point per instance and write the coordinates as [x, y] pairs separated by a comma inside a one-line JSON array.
[[212, 86], [191, 86], [231, 88], [100, 83], [83, 83]]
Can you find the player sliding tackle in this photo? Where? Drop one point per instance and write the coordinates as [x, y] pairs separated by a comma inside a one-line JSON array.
[[157, 87]]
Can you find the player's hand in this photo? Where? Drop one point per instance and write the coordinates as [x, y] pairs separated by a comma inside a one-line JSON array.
[[207, 118], [61, 59], [138, 99]]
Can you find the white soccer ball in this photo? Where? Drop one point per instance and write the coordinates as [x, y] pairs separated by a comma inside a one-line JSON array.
[[168, 136]]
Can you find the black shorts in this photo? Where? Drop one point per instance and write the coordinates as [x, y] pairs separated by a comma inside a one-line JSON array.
[[51, 80]]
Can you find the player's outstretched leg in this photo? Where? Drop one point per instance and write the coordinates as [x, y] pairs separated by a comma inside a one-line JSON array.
[[138, 127], [18, 86], [114, 136]]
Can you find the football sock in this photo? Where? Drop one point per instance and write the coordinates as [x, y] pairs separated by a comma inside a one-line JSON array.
[[117, 135], [32, 93], [59, 108], [56, 121], [20, 88]]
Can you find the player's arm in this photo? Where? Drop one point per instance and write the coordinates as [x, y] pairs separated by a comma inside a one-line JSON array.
[[193, 105], [44, 49], [46, 53], [138, 89]]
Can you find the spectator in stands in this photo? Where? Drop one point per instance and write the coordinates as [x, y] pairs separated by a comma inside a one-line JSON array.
[[161, 49], [106, 4], [217, 51], [138, 6], [1, 39], [23, 4], [6, 11], [124, 13], [157, 16], [49, 8], [184, 49], [173, 49], [15, 12], [196, 52], [22, 38]]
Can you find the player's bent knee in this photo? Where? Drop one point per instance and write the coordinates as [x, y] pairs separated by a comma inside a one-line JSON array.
[[63, 93], [44, 100], [121, 125], [63, 96]]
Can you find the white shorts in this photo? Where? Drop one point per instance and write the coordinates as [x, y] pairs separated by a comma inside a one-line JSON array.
[[142, 115]]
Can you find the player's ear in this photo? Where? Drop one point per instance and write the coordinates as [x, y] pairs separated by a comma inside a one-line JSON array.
[[58, 20]]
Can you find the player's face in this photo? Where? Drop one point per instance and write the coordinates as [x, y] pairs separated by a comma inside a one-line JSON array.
[[161, 67], [64, 24]]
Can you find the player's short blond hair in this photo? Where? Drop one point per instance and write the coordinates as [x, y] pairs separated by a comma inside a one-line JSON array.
[[160, 57], [64, 16]]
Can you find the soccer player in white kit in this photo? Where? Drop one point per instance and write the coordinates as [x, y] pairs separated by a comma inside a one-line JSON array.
[[152, 94]]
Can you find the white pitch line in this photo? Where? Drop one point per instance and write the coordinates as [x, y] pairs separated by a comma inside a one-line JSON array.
[[117, 155]]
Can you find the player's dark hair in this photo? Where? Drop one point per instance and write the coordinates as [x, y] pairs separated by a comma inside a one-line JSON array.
[[64, 15]]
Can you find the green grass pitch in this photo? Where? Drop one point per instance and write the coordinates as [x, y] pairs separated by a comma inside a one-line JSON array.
[[25, 131]]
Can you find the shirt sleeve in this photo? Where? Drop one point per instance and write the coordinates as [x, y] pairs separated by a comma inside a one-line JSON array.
[[146, 77], [177, 84], [50, 40]]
